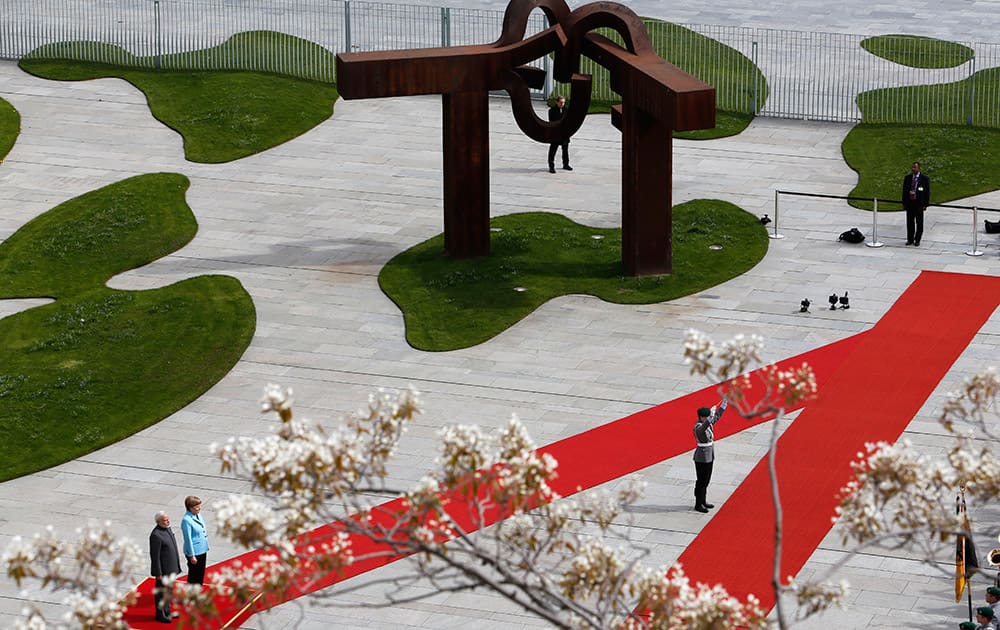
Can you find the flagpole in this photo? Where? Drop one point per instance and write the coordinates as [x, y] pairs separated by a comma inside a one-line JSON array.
[[959, 552], [961, 564], [965, 563], [968, 589]]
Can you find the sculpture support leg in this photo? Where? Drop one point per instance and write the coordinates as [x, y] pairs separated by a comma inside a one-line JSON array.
[[466, 149], [646, 193]]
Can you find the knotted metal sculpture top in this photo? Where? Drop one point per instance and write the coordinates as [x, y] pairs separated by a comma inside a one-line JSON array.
[[657, 98]]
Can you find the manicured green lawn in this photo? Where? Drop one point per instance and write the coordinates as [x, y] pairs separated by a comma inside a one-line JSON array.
[[961, 160], [98, 364], [450, 304], [222, 116], [973, 99], [736, 79], [918, 52], [83, 242], [10, 127]]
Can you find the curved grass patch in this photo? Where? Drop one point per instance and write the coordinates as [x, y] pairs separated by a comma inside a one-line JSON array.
[[10, 127], [741, 89], [82, 243], [450, 304], [918, 52], [221, 115], [971, 101], [726, 124], [99, 364], [960, 161]]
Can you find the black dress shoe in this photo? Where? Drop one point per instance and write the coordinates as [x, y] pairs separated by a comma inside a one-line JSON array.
[[552, 169], [709, 505], [916, 243], [701, 508], [909, 242], [567, 167]]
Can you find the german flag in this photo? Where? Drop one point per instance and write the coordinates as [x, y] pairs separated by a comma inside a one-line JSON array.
[[965, 548]]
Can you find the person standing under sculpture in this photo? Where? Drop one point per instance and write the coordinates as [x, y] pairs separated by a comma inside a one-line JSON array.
[[916, 198], [556, 113], [704, 454], [195, 540]]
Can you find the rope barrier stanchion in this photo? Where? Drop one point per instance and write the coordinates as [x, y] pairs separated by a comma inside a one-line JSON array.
[[775, 235], [874, 242], [975, 251], [975, 234]]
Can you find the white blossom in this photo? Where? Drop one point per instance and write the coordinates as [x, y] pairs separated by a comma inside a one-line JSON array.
[[96, 581], [699, 350], [276, 399], [248, 520]]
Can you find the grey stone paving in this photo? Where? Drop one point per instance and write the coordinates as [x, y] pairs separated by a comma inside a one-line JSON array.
[[307, 226]]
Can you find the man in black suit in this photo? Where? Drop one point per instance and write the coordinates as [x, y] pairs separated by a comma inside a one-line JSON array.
[[556, 112], [165, 561], [916, 198]]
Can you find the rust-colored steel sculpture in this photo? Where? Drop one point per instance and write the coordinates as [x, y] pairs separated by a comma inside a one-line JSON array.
[[657, 98]]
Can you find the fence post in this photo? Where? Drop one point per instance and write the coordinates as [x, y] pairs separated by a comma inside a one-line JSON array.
[[756, 81], [445, 27], [971, 98], [874, 242], [550, 83], [158, 34], [775, 234], [975, 234], [347, 26]]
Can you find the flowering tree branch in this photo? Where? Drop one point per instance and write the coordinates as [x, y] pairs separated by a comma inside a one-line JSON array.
[[93, 571], [485, 517], [897, 491]]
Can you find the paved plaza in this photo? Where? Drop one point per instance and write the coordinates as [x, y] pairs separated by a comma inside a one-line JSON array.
[[307, 226]]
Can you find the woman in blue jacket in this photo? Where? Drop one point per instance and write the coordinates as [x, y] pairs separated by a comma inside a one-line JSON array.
[[195, 540]]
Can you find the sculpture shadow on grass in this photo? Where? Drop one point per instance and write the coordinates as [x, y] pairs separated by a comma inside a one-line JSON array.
[[99, 364]]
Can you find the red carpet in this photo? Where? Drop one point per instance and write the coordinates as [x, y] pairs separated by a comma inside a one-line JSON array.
[[872, 396], [871, 385]]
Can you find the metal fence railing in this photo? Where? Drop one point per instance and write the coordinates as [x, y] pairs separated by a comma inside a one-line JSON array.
[[821, 76], [770, 72]]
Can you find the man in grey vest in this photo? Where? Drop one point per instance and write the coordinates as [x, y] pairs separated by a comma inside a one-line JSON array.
[[704, 454]]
